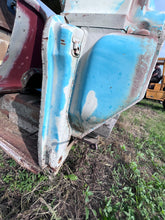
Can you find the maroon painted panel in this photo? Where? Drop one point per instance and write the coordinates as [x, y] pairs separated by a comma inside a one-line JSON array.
[[24, 52]]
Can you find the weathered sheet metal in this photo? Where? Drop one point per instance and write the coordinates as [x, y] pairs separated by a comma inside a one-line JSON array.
[[15, 138], [96, 62], [109, 75], [59, 68], [24, 53], [103, 98]]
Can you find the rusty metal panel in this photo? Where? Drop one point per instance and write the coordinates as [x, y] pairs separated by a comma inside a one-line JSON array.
[[97, 60], [120, 85], [15, 140], [110, 74], [24, 52], [61, 48]]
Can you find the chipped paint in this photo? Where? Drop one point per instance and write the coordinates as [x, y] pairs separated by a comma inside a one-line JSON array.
[[117, 43], [89, 106], [59, 74], [118, 4], [29, 24], [15, 50], [103, 6], [112, 97]]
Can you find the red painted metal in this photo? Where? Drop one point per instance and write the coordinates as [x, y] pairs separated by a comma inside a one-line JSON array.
[[15, 140], [30, 55]]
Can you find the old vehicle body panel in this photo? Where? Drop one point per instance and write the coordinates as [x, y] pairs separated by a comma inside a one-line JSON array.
[[102, 87], [97, 60], [23, 57]]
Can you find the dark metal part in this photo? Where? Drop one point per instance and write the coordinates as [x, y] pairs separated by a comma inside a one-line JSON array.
[[18, 115]]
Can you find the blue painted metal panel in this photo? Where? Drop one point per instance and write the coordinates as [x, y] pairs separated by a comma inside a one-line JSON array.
[[82, 91], [109, 77], [59, 74], [50, 79]]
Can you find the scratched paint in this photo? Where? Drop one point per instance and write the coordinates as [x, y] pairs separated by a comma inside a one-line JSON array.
[[158, 18], [15, 51], [58, 82], [151, 4], [119, 4], [21, 56], [89, 106], [104, 6], [81, 93], [111, 97]]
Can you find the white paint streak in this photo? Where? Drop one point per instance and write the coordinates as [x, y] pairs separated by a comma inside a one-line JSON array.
[[18, 39], [89, 106], [34, 3]]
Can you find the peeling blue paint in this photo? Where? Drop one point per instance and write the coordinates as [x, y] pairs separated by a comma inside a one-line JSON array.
[[50, 72], [119, 4], [109, 72], [111, 75], [152, 4], [51, 42], [62, 60], [157, 18], [139, 13], [60, 73]]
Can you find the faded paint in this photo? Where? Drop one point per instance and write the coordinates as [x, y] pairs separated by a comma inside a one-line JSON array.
[[111, 97], [81, 93], [59, 75], [26, 35], [104, 6], [89, 106], [119, 4], [15, 46], [156, 17]]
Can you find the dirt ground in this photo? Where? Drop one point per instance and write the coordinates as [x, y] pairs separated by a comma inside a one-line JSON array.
[[81, 188]]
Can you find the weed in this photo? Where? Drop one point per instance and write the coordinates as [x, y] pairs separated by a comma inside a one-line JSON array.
[[23, 181], [71, 177], [98, 184]]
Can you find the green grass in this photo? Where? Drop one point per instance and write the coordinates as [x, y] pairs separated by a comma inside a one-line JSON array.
[[123, 179]]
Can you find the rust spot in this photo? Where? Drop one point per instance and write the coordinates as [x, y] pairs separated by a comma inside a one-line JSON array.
[[5, 112], [63, 42], [59, 161], [142, 3]]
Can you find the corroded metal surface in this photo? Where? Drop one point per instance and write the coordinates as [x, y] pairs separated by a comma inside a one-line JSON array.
[[18, 144], [121, 46], [24, 52], [97, 60]]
